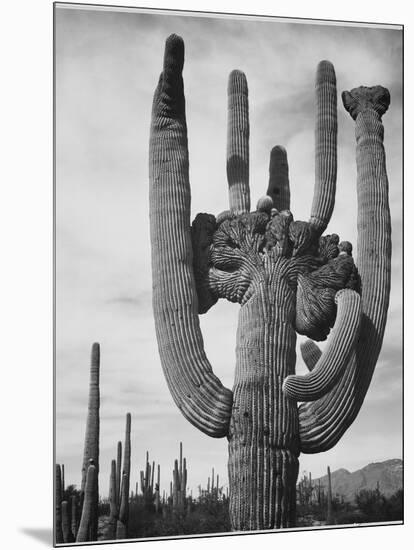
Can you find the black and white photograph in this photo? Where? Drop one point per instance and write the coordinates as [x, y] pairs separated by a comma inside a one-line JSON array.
[[228, 247]]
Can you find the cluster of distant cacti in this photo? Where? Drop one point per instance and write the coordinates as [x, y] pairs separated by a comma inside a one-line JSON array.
[[311, 494], [77, 520], [77, 512]]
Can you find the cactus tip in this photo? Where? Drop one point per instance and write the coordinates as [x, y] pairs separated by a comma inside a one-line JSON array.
[[325, 72]]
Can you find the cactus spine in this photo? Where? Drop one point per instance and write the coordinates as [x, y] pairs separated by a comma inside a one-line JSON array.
[[288, 279]]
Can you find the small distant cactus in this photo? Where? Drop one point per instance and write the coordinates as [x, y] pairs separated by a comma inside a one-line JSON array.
[[74, 516], [118, 472], [287, 276], [147, 481], [329, 506], [157, 490], [179, 486], [122, 524]]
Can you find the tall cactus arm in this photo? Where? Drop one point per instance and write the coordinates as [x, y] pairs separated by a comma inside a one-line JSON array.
[[278, 188], [323, 422], [196, 390], [238, 143], [334, 359], [326, 130], [310, 353]]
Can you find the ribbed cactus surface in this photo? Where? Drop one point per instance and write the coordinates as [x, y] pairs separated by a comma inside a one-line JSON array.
[[238, 143], [323, 422], [196, 390], [332, 363], [287, 277], [310, 353], [326, 130]]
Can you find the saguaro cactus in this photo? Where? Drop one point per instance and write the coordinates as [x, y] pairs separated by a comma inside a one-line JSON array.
[[91, 448], [288, 279], [329, 504], [74, 516], [113, 512], [118, 472], [88, 509], [122, 524], [66, 522], [58, 505]]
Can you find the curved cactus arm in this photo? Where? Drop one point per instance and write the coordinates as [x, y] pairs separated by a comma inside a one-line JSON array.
[[323, 422], [196, 390], [310, 353], [278, 188], [335, 358], [238, 143], [326, 129]]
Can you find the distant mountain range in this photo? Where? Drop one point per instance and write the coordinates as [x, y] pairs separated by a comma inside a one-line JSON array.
[[387, 474]]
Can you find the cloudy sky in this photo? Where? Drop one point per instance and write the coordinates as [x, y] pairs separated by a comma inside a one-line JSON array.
[[107, 66]]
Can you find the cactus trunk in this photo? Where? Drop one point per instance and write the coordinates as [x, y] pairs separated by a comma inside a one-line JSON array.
[[122, 525], [263, 439], [329, 508], [113, 514], [89, 514], [118, 473], [58, 505], [91, 449], [74, 517], [66, 522]]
